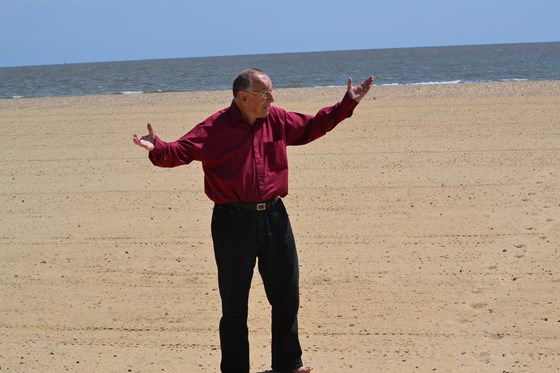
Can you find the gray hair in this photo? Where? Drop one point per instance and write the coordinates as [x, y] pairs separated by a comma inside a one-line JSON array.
[[244, 80]]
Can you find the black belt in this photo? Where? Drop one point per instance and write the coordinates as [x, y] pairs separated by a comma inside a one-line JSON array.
[[261, 206]]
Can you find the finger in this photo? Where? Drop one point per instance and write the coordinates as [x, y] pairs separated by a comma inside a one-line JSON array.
[[366, 85], [368, 81], [349, 83], [150, 130], [138, 141]]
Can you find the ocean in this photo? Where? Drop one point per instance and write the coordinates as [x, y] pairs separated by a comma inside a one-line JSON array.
[[429, 65]]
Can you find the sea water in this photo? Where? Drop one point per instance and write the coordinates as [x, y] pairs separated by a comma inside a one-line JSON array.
[[430, 65]]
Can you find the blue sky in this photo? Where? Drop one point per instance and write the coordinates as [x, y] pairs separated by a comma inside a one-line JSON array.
[[38, 32]]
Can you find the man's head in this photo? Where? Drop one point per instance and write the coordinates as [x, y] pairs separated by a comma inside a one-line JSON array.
[[252, 93]]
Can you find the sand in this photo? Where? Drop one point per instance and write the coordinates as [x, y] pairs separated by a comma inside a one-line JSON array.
[[428, 228]]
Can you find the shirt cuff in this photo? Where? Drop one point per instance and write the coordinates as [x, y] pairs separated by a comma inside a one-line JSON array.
[[348, 104], [159, 147]]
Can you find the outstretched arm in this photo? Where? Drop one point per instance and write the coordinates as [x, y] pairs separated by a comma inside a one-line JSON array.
[[167, 154], [147, 141], [359, 92], [302, 129]]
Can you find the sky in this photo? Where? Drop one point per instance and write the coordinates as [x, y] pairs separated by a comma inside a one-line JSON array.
[[42, 32]]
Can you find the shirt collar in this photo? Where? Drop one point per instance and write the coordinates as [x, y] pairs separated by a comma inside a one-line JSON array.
[[236, 117]]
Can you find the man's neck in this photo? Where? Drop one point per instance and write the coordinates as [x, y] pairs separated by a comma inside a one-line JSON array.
[[246, 117]]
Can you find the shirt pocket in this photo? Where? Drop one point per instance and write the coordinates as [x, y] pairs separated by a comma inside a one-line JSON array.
[[276, 157]]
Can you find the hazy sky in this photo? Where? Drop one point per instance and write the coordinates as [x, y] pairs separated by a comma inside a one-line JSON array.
[[37, 32]]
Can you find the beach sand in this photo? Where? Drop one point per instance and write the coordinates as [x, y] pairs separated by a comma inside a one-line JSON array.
[[428, 229]]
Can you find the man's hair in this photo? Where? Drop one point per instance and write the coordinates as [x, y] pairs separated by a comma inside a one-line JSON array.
[[244, 80]]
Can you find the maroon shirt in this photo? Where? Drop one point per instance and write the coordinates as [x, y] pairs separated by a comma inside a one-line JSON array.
[[243, 162]]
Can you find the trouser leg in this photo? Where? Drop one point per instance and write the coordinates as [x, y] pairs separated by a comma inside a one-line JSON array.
[[235, 258], [278, 266]]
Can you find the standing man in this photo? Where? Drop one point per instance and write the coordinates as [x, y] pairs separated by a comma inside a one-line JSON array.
[[243, 153]]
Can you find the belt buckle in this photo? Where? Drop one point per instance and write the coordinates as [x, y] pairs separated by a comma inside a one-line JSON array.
[[261, 206]]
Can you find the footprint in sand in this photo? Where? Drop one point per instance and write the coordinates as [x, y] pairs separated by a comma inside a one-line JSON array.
[[482, 356], [494, 336], [478, 306], [461, 322], [510, 279]]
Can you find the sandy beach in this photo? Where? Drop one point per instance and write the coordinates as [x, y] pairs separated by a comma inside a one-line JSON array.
[[428, 231]]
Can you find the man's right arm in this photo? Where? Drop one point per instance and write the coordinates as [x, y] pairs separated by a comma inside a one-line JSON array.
[[170, 154], [164, 154]]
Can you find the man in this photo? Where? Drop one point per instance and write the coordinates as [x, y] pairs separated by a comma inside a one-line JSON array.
[[243, 153]]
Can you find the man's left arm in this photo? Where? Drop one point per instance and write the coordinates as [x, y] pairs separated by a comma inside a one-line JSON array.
[[302, 129]]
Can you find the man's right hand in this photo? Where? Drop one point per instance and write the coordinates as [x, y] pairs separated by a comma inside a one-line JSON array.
[[147, 141]]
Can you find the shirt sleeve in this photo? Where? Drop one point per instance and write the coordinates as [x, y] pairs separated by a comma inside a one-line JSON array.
[[180, 152], [302, 128]]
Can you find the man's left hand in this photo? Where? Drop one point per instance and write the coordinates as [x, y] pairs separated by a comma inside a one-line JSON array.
[[359, 92]]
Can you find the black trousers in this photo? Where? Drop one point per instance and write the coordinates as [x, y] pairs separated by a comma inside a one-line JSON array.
[[240, 238]]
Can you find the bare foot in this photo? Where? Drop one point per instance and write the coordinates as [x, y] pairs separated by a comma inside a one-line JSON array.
[[303, 369]]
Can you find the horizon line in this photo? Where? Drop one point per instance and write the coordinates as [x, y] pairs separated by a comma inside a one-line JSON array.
[[273, 53]]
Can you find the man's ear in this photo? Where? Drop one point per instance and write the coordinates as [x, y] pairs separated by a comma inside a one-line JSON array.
[[241, 96]]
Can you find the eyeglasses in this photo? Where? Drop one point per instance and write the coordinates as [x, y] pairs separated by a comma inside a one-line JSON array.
[[265, 93]]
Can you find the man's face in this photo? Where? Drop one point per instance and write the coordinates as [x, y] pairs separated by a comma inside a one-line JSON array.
[[259, 97]]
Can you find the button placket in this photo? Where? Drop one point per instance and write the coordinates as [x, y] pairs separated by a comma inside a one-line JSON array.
[[259, 163]]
